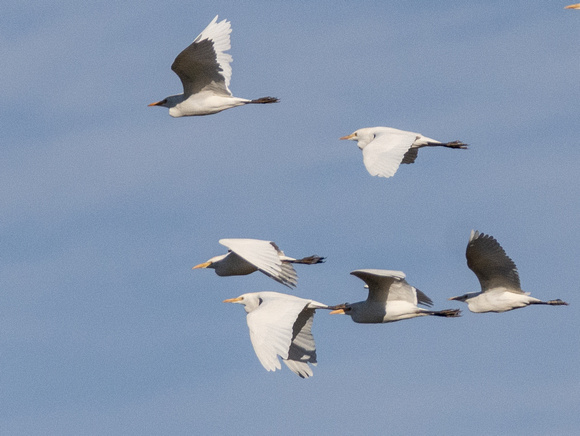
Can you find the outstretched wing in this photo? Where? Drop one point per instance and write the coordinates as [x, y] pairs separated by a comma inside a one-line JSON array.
[[381, 283], [204, 63], [490, 263], [265, 256], [272, 328], [383, 155]]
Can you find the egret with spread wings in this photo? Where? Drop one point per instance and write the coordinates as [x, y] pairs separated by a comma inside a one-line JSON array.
[[246, 256], [205, 72], [390, 299], [385, 148], [281, 325], [498, 276]]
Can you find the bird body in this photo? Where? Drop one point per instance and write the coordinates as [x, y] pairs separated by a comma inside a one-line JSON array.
[[390, 299], [246, 256], [281, 325], [385, 148], [498, 277], [205, 72]]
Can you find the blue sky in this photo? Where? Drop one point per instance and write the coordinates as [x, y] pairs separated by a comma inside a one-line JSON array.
[[107, 204]]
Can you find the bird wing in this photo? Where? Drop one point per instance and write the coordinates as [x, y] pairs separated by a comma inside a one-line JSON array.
[[302, 349], [490, 263], [410, 156], [204, 63], [272, 327], [383, 155], [423, 299], [265, 256], [381, 283]]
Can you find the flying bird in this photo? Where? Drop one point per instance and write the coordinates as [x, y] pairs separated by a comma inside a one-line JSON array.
[[246, 256], [390, 299], [576, 6], [498, 276], [281, 325], [385, 148], [204, 70]]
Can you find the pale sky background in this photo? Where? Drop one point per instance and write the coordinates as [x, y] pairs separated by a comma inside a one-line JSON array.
[[107, 204]]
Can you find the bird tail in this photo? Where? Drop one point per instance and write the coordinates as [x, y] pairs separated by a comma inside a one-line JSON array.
[[310, 260], [447, 313], [264, 100]]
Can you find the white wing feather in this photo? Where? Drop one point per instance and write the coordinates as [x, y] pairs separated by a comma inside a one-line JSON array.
[[219, 34], [264, 256], [383, 155], [271, 327]]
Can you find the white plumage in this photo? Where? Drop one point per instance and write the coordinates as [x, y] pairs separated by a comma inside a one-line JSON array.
[[281, 325], [246, 256], [385, 148], [390, 299], [498, 276], [205, 72]]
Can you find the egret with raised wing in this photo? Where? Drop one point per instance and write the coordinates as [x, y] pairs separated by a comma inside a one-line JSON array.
[[390, 299], [498, 276], [205, 72]]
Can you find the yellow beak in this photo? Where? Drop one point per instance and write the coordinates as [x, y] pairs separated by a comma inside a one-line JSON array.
[[348, 137], [202, 265], [576, 6], [233, 300], [337, 312], [157, 103]]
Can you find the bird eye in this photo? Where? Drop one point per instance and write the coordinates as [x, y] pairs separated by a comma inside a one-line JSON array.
[[260, 301]]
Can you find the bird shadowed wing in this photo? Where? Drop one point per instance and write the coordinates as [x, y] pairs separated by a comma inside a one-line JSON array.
[[302, 349], [380, 282], [410, 156], [490, 263], [204, 63]]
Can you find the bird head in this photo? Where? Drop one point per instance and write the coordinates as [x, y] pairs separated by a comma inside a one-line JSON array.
[[211, 263], [171, 102], [341, 309], [250, 301], [362, 136], [159, 103], [460, 298]]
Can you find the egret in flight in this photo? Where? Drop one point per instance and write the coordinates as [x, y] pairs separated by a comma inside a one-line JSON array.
[[390, 299], [246, 256], [281, 325], [385, 148], [498, 276], [205, 72]]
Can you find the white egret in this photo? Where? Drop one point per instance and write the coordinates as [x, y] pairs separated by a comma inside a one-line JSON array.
[[281, 325], [246, 256], [390, 299], [205, 72], [385, 148], [498, 276]]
